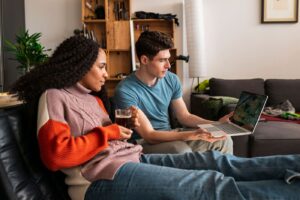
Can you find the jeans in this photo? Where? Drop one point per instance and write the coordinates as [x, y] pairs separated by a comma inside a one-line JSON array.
[[209, 175]]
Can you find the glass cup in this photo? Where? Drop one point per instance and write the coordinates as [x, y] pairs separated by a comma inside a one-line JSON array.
[[123, 117]]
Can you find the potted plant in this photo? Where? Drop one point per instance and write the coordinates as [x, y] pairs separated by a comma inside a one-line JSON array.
[[28, 50]]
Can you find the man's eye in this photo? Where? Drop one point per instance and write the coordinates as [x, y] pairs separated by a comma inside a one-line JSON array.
[[163, 60]]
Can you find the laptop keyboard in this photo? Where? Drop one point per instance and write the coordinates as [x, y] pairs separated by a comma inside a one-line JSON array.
[[228, 128]]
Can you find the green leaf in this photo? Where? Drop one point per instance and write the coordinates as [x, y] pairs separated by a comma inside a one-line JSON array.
[[27, 50]]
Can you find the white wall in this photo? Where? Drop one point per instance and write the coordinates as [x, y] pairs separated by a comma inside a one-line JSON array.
[[237, 44], [55, 19]]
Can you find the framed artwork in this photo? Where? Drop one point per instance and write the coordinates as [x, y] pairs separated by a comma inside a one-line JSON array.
[[279, 11]]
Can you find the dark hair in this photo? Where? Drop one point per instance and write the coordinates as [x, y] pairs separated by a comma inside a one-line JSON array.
[[151, 42], [72, 59]]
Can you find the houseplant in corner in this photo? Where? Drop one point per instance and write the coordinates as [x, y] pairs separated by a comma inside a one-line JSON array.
[[27, 50]]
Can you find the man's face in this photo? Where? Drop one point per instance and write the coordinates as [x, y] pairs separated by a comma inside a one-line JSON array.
[[159, 65]]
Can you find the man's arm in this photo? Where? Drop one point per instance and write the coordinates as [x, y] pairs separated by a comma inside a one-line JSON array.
[[184, 116], [155, 136]]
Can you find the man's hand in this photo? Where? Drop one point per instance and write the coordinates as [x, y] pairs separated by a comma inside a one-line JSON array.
[[225, 118], [202, 134], [134, 122]]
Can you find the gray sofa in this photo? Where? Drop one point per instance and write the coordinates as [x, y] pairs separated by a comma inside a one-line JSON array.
[[270, 137]]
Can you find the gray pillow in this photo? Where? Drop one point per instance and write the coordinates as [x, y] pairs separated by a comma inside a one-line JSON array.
[[280, 90]]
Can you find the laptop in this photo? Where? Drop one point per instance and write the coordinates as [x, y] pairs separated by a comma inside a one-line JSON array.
[[245, 117]]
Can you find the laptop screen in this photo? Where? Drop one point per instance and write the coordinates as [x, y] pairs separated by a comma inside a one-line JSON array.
[[248, 110]]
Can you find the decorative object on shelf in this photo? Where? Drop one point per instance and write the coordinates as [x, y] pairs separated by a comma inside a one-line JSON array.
[[27, 50], [96, 10], [279, 11], [120, 10], [100, 12], [151, 15]]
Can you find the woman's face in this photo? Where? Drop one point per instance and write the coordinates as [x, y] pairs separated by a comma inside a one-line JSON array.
[[95, 78]]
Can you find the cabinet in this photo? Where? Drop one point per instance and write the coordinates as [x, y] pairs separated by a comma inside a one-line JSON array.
[[108, 22]]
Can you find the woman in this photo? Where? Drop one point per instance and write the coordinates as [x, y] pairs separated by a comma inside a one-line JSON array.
[[76, 136]]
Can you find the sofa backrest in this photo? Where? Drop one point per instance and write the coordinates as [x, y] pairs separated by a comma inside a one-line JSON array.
[[234, 87], [22, 174], [280, 90]]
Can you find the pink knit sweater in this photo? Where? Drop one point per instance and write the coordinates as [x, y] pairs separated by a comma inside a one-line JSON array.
[[76, 136]]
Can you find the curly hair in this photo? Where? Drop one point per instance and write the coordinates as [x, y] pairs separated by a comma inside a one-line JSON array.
[[71, 60], [151, 42]]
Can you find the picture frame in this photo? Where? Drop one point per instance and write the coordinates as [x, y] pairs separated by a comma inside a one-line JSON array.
[[279, 11]]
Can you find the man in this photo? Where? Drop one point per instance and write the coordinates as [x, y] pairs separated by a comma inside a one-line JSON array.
[[152, 88]]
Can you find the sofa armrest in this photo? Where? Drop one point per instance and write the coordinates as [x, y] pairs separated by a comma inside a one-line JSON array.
[[202, 105]]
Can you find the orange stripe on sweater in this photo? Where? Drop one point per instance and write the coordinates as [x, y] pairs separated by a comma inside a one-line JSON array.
[[101, 104], [60, 149], [114, 135]]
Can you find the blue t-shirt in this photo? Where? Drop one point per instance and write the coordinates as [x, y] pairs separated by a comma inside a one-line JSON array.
[[153, 101]]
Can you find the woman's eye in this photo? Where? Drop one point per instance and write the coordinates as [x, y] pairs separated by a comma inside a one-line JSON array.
[[102, 66]]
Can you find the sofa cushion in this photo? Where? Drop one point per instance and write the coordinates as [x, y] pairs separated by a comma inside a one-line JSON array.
[[280, 90], [271, 138], [234, 87]]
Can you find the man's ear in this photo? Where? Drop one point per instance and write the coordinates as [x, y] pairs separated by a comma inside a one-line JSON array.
[[144, 60]]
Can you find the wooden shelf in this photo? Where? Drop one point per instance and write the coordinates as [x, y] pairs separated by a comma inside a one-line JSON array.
[[94, 21], [119, 62], [150, 20], [153, 25]]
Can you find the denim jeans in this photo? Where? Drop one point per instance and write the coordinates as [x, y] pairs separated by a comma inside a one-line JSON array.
[[209, 175]]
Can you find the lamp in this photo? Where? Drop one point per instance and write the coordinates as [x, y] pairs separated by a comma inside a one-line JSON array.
[[195, 38]]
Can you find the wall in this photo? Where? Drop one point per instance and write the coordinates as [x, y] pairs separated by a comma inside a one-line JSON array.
[[55, 19], [237, 44]]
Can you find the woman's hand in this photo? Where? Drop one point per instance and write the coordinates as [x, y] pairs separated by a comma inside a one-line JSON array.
[[125, 133], [202, 134], [134, 122], [225, 118]]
